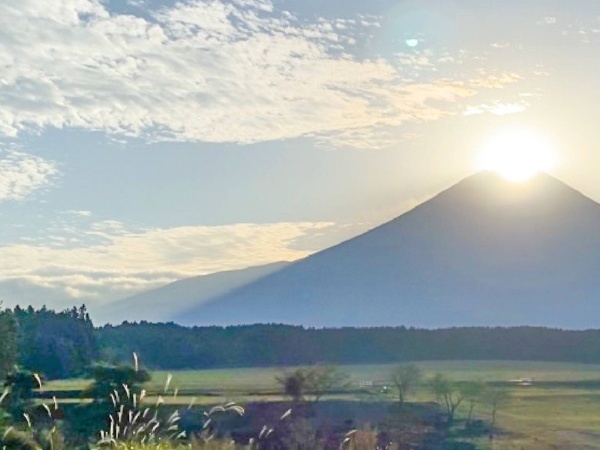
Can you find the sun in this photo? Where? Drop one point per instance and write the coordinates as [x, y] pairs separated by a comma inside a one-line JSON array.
[[517, 154]]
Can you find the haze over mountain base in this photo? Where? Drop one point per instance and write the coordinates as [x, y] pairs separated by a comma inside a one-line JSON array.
[[160, 305]]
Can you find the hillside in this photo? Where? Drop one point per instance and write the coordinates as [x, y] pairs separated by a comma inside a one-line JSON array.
[[164, 303]]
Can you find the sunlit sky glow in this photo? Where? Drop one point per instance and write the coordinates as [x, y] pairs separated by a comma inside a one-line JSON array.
[[143, 141], [517, 154]]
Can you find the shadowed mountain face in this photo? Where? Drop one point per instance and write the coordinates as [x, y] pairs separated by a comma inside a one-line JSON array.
[[485, 252], [160, 305]]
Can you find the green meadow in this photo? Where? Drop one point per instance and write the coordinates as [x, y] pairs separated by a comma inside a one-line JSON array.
[[561, 410]]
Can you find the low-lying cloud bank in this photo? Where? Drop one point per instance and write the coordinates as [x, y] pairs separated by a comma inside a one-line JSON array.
[[121, 262]]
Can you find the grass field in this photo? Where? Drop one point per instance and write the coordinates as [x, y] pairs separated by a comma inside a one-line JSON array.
[[560, 411]]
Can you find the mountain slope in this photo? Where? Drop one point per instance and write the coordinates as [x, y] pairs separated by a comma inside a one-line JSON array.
[[164, 303], [484, 252]]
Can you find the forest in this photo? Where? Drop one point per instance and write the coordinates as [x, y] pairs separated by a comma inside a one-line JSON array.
[[63, 344]]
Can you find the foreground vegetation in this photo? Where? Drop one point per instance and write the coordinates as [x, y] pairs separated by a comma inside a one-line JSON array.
[[59, 397], [559, 410]]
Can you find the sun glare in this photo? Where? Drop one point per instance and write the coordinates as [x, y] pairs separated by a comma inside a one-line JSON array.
[[517, 155]]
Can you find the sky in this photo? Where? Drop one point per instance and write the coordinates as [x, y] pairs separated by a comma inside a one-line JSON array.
[[145, 141]]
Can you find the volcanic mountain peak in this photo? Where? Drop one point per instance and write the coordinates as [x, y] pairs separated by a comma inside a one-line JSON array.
[[484, 252]]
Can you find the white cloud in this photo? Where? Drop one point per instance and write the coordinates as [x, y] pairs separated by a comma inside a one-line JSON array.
[[367, 138], [496, 81], [547, 21], [497, 109], [79, 213], [215, 71], [124, 262], [22, 174]]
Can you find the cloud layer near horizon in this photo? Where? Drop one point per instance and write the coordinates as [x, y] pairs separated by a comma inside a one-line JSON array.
[[120, 262]]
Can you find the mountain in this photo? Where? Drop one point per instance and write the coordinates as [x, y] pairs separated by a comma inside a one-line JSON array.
[[484, 252], [162, 304]]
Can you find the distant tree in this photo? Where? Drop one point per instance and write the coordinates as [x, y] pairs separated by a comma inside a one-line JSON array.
[[405, 379], [447, 394], [8, 343], [118, 381], [324, 380], [472, 391], [495, 397], [311, 383], [294, 384]]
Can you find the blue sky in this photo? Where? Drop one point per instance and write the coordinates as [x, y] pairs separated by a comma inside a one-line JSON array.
[[145, 141]]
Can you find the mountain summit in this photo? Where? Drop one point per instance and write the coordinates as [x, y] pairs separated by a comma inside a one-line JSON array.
[[484, 252]]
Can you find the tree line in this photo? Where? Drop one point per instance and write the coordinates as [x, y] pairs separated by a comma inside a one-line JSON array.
[[63, 344], [57, 344], [170, 346]]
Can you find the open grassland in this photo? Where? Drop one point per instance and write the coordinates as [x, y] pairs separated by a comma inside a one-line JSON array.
[[560, 411], [545, 418], [256, 380], [262, 380]]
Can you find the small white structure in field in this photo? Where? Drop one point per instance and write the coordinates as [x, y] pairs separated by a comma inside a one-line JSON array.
[[523, 381]]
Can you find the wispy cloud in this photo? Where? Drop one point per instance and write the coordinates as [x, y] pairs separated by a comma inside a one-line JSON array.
[[219, 71], [22, 174], [547, 21], [80, 213], [495, 81], [498, 109]]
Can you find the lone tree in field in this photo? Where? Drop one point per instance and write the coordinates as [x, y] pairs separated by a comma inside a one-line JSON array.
[[495, 397], [473, 392], [293, 384], [447, 394], [405, 379], [313, 382]]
